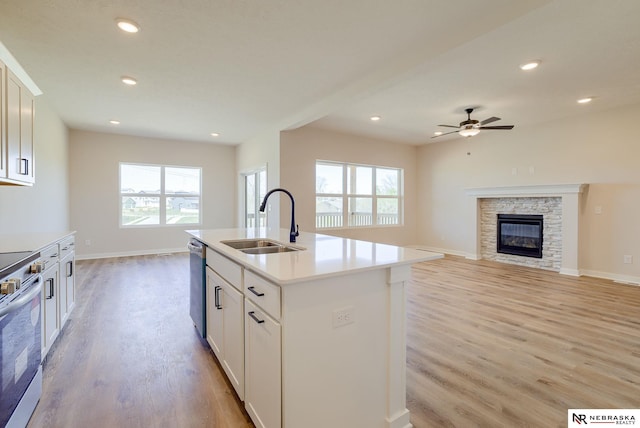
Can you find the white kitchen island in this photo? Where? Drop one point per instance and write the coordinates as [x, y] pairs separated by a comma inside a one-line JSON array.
[[324, 340]]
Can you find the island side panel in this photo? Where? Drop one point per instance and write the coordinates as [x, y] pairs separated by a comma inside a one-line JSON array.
[[339, 376], [397, 413]]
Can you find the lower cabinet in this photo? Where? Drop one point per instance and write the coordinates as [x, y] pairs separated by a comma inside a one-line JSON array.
[[263, 398], [58, 289], [50, 291], [225, 328], [67, 287]]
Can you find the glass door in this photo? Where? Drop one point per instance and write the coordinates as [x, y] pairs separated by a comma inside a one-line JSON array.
[[255, 189]]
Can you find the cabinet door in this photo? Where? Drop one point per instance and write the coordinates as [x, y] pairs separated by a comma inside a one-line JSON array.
[[67, 287], [263, 391], [225, 328], [50, 329], [214, 313], [3, 137], [20, 119], [233, 332]]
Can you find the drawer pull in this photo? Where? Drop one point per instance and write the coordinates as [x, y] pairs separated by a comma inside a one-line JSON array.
[[255, 318], [217, 297], [257, 293]]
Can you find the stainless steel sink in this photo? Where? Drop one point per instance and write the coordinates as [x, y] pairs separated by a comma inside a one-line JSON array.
[[260, 246], [268, 250], [240, 244]]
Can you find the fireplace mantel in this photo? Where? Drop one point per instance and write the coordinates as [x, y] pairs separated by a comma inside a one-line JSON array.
[[570, 195], [521, 191]]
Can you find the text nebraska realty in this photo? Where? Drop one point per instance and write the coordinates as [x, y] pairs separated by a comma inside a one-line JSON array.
[[604, 419]]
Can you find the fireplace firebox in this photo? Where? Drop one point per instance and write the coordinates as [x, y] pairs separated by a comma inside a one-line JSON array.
[[520, 235]]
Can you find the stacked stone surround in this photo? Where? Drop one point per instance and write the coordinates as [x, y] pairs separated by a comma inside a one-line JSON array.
[[551, 210]]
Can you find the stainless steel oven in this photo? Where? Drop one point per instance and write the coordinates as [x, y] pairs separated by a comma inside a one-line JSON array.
[[20, 338]]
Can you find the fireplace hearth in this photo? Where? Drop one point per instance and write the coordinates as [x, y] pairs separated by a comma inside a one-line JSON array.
[[520, 235]]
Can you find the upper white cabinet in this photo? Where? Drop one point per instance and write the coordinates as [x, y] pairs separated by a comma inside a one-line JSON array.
[[17, 159]]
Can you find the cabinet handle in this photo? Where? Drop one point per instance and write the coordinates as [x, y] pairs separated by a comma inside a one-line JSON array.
[[24, 162], [255, 318], [70, 269], [253, 290], [217, 297], [51, 283]]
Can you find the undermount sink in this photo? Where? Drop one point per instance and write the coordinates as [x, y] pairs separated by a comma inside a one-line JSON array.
[[260, 246], [269, 250], [240, 244]]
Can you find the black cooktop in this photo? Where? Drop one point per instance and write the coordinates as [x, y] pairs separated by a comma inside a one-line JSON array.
[[9, 262]]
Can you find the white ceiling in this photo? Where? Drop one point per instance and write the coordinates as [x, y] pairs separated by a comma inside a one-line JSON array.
[[242, 67]]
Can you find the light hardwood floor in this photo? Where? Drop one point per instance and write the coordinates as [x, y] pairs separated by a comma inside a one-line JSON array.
[[489, 345]]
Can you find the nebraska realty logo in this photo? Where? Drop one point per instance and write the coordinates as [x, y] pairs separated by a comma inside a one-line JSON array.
[[606, 417]]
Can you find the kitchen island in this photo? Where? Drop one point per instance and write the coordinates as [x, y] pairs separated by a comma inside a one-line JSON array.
[[315, 336]]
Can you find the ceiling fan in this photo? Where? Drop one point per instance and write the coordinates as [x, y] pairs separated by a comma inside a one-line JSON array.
[[471, 127]]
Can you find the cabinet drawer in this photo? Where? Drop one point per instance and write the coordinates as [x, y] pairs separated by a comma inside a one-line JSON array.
[[263, 293], [49, 256], [67, 246], [225, 268]]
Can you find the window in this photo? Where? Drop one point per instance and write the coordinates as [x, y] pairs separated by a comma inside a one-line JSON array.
[[255, 189], [157, 195], [349, 195]]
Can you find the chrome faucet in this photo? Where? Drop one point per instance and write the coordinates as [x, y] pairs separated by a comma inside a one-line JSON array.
[[294, 227]]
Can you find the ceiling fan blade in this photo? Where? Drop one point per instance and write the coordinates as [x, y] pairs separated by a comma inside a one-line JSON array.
[[491, 119], [446, 133], [497, 127], [451, 126]]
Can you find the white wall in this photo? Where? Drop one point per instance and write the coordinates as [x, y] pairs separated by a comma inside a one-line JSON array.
[[299, 150], [600, 149], [44, 207], [251, 155], [94, 190]]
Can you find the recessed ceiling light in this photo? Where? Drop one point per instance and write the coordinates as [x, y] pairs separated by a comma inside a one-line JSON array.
[[127, 25], [215, 134], [375, 118], [114, 122], [585, 100], [437, 133], [129, 80], [530, 65]]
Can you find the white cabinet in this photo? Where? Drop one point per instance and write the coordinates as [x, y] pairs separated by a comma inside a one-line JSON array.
[[263, 375], [20, 167], [3, 125], [50, 297], [67, 299], [58, 289], [225, 328]]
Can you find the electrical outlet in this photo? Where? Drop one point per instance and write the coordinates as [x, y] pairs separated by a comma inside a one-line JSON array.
[[87, 242], [343, 316], [628, 259], [598, 209]]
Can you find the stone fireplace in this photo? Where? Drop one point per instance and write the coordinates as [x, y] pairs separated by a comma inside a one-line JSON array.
[[557, 208]]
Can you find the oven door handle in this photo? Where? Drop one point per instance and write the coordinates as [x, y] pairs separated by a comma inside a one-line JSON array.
[[24, 298]]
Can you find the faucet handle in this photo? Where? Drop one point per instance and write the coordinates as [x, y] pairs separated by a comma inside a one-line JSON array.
[[297, 232]]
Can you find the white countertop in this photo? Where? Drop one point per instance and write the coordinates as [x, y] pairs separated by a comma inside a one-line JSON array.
[[10, 243], [323, 255]]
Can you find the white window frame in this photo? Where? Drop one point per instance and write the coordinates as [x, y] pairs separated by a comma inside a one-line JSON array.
[[163, 195], [262, 218], [348, 193]]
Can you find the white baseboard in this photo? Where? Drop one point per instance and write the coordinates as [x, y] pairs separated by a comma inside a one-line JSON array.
[[130, 253], [623, 279]]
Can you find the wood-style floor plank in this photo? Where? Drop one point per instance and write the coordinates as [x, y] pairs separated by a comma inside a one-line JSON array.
[[130, 356], [496, 345], [489, 345]]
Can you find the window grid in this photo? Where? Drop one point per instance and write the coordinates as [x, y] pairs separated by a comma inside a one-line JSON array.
[[144, 208], [385, 209]]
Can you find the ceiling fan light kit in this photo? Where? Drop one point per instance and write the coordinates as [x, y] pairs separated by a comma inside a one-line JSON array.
[[471, 127]]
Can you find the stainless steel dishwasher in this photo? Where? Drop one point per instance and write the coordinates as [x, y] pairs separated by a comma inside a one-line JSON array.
[[197, 285]]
